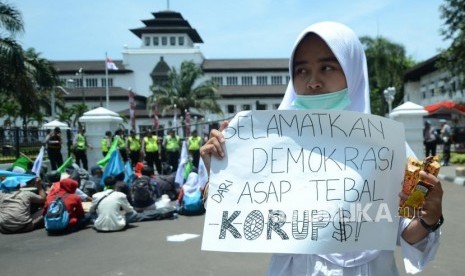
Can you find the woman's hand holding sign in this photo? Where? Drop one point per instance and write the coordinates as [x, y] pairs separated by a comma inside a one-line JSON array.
[[213, 145], [429, 216]]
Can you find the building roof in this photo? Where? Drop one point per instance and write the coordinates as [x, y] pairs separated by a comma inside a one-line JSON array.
[[97, 93], [89, 66], [166, 22], [254, 91], [421, 69], [245, 65]]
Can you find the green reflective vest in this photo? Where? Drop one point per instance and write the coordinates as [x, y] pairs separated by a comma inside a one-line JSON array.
[[80, 142], [134, 144], [104, 144], [194, 143], [151, 144], [172, 143]]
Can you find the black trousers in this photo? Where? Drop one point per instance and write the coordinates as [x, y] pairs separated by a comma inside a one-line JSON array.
[[173, 159], [446, 153], [152, 158], [134, 156], [55, 157], [81, 157], [430, 148]]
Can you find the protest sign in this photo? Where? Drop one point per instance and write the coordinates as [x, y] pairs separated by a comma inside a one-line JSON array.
[[305, 182]]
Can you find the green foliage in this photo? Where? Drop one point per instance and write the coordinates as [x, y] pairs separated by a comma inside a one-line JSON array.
[[26, 78], [453, 58], [457, 158], [185, 90], [387, 62]]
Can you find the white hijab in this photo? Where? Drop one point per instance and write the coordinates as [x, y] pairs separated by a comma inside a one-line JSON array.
[[191, 185], [351, 56], [349, 52]]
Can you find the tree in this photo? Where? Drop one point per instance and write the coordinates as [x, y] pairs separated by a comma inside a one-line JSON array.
[[186, 91], [77, 110], [24, 76], [387, 63], [453, 14], [9, 108], [11, 23]]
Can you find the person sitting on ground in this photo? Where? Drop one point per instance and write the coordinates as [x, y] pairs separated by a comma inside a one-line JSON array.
[[53, 185], [190, 197], [67, 191], [138, 169], [144, 191], [111, 208], [16, 206]]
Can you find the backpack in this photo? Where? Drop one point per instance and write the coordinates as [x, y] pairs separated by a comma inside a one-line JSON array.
[[89, 187], [192, 203], [57, 217], [141, 189]]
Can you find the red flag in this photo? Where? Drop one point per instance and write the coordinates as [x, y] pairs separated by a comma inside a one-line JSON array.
[[132, 107]]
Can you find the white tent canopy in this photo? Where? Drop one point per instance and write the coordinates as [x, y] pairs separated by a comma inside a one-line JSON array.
[[55, 123]]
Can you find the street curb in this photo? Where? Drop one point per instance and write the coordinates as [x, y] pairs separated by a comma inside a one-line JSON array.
[[460, 181]]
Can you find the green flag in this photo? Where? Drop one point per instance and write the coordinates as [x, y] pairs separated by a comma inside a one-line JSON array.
[[187, 170], [66, 164], [23, 163], [113, 147]]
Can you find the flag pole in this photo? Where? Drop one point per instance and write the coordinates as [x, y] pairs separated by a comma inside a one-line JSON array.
[[107, 93]]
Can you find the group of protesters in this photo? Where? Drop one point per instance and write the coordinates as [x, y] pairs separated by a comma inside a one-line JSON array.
[[107, 200]]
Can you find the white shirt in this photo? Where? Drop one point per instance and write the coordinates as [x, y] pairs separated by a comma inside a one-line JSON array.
[[110, 217], [415, 258]]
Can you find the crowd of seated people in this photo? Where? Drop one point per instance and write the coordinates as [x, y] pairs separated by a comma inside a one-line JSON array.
[[86, 203]]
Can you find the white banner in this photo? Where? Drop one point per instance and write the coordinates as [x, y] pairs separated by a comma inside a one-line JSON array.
[[306, 182]]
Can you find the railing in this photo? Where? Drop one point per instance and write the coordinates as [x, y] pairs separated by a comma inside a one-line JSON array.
[[16, 140]]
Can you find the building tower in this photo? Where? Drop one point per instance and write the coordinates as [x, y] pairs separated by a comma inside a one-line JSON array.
[[168, 39]]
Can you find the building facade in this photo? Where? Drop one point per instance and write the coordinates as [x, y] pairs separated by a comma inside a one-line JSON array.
[[167, 40]]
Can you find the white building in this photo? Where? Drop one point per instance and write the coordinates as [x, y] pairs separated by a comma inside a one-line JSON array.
[[166, 41]]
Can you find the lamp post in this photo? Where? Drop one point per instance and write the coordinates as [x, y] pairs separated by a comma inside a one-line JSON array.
[[389, 94], [80, 73]]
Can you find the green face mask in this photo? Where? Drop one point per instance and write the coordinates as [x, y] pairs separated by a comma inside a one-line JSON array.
[[336, 100]]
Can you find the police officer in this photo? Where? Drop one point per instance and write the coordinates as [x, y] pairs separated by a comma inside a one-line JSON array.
[[53, 142], [134, 146], [172, 146], [106, 143], [119, 134], [194, 143], [150, 147], [80, 146]]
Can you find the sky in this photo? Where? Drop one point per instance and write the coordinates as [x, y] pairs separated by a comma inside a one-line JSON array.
[[87, 29]]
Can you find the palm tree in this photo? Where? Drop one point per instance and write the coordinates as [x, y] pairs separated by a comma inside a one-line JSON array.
[[9, 108], [43, 76], [387, 62], [11, 56], [77, 110], [186, 91], [26, 77]]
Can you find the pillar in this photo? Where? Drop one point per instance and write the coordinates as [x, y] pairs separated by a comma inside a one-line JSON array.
[[411, 115], [96, 122]]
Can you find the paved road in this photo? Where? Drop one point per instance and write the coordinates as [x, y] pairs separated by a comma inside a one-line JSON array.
[[144, 250]]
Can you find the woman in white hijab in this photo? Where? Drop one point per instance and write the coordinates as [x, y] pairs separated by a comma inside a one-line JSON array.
[[328, 71]]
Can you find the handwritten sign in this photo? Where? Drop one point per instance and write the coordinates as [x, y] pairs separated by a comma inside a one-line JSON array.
[[306, 182]]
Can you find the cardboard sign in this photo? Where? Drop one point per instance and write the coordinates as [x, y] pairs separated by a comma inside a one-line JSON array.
[[306, 182]]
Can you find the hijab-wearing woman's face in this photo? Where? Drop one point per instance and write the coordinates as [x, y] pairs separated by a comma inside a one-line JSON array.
[[316, 69]]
